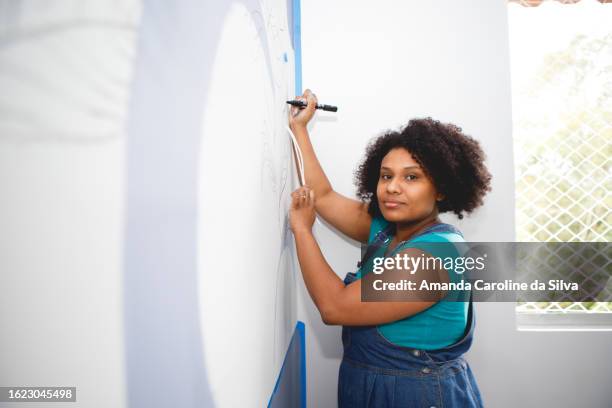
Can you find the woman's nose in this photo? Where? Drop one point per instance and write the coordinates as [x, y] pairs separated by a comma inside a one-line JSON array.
[[392, 186]]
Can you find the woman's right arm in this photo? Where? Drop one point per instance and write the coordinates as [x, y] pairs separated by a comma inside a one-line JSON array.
[[349, 216]]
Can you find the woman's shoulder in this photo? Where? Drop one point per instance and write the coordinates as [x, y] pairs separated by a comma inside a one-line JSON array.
[[441, 232], [440, 240]]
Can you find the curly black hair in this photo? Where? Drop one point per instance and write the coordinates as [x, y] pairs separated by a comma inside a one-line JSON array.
[[453, 161]]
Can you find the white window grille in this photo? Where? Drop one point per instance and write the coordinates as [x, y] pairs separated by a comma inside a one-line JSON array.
[[561, 67]]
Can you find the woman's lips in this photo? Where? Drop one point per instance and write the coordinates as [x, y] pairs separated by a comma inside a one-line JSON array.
[[391, 204]]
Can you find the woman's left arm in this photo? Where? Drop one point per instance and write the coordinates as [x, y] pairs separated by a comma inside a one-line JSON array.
[[339, 304]]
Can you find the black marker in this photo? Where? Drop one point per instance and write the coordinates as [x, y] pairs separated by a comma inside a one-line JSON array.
[[302, 104]]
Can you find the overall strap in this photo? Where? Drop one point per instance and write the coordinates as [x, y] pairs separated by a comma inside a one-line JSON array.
[[379, 240]]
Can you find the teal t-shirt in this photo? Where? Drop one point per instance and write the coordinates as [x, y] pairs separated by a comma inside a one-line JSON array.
[[441, 324]]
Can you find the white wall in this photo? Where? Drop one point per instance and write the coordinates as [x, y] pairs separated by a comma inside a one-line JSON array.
[[65, 70], [383, 63], [145, 253]]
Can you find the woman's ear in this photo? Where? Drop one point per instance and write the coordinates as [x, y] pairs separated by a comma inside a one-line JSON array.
[[440, 197]]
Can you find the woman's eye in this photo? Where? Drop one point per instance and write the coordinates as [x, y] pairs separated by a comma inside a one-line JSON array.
[[385, 176], [411, 177]]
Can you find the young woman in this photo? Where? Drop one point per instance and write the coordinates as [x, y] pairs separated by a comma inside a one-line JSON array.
[[396, 353]]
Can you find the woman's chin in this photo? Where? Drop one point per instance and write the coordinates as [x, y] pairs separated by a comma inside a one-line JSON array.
[[398, 217], [392, 216]]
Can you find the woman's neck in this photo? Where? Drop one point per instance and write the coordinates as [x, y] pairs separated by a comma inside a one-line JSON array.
[[405, 231]]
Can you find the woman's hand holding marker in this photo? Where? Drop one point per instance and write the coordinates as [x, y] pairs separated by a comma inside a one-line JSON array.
[[299, 117], [302, 213]]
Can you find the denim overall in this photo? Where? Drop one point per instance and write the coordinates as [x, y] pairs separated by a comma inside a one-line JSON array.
[[377, 373]]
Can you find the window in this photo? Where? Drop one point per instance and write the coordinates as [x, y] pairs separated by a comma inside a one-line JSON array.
[[561, 68]]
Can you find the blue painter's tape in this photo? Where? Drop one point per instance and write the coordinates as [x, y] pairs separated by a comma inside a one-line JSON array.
[[297, 45], [290, 387], [301, 329]]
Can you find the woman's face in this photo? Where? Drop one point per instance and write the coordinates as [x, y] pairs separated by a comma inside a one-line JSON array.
[[404, 192]]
